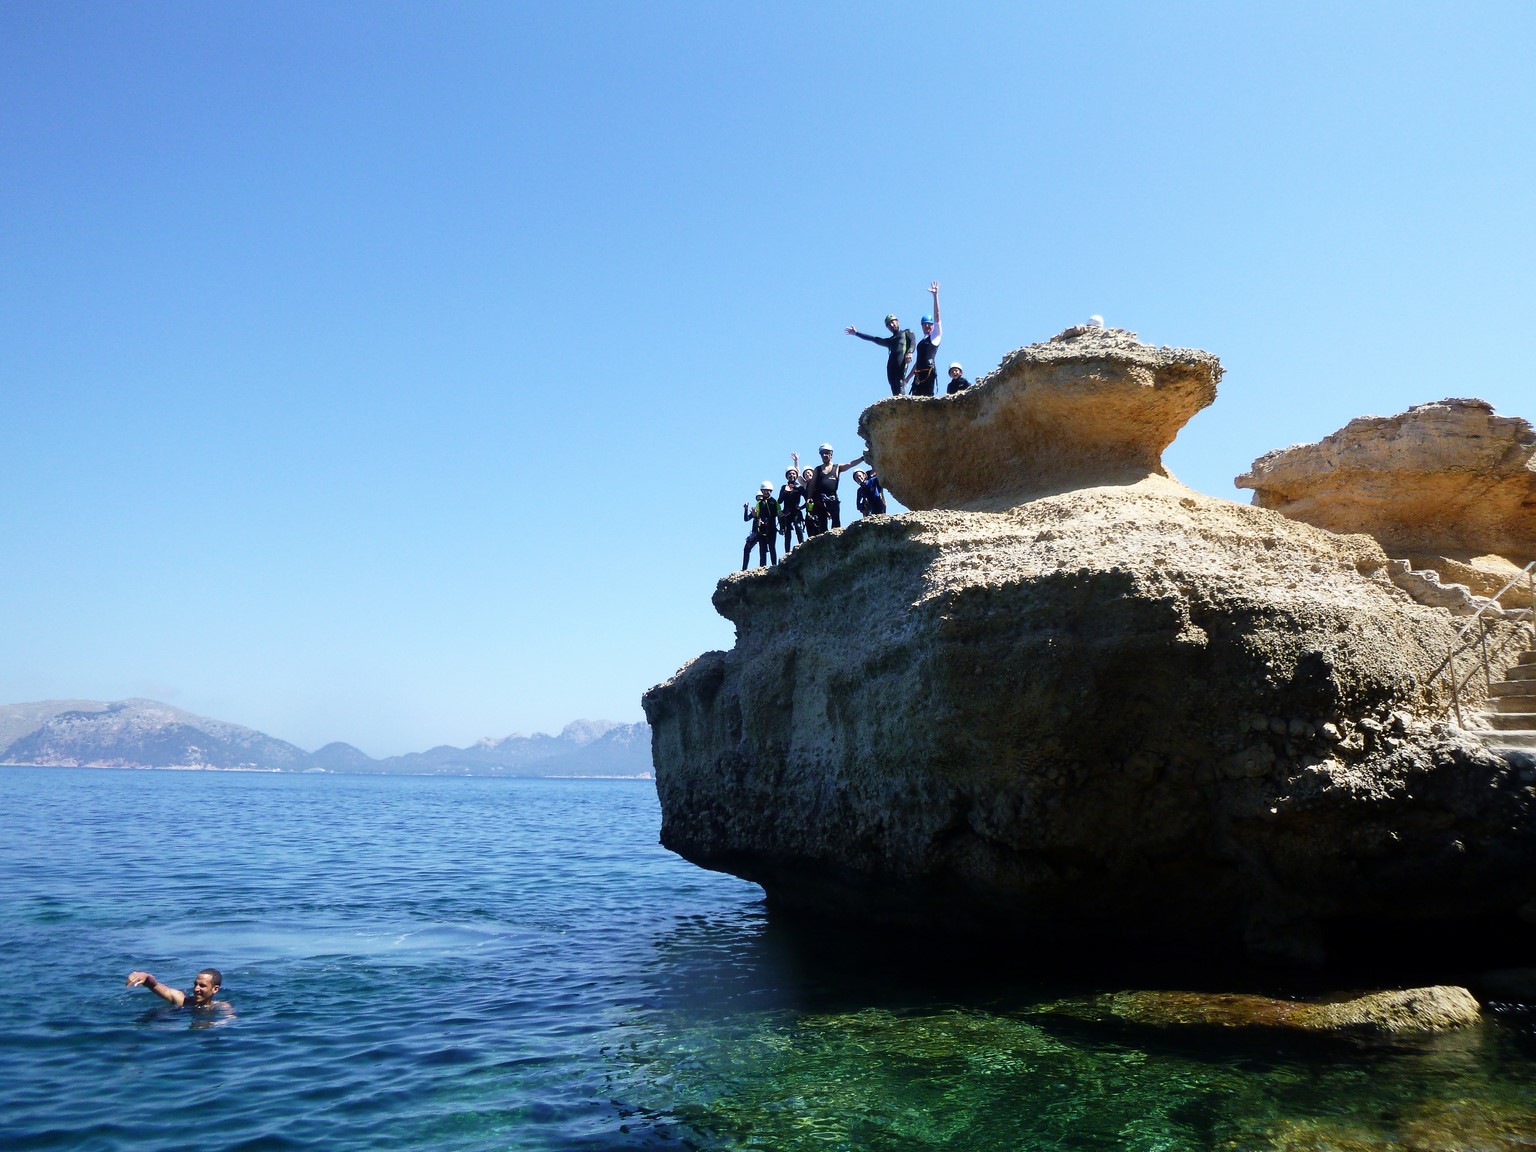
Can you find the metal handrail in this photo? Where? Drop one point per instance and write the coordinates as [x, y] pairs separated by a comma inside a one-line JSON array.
[[1528, 573]]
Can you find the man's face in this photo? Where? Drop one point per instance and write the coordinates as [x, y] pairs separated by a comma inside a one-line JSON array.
[[893, 323], [826, 456], [203, 988], [954, 373]]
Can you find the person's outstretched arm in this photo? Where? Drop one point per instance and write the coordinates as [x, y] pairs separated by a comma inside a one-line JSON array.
[[934, 288], [841, 468], [175, 995], [883, 340]]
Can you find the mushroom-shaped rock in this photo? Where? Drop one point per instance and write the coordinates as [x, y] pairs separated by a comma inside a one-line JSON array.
[[1090, 406], [1448, 479]]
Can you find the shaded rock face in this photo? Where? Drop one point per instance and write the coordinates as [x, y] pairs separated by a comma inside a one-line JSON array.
[[1123, 713], [1091, 406], [1449, 479]]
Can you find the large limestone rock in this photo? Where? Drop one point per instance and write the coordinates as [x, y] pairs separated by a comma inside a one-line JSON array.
[[1123, 711], [1448, 479], [1089, 406]]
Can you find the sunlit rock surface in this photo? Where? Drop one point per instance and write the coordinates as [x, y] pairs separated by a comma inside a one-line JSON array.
[[1450, 479], [1090, 406]]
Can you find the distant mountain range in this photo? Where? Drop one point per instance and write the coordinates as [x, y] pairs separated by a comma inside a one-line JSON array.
[[149, 734]]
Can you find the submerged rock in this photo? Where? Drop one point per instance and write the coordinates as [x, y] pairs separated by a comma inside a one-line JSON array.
[[1434, 1009], [1123, 712]]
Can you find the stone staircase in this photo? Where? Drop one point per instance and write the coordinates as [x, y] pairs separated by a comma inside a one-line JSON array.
[[1510, 721]]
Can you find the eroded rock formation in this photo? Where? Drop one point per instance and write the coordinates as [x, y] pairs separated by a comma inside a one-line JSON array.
[[1449, 481], [1123, 711], [1090, 406]]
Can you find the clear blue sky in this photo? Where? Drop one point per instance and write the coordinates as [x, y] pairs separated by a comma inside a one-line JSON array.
[[395, 372]]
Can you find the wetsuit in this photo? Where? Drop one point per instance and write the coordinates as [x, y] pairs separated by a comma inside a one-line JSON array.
[[824, 484], [957, 384], [898, 347], [923, 371], [871, 500], [764, 515], [791, 516]]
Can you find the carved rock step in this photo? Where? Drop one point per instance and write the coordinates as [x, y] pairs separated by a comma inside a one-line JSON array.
[[1522, 672], [1523, 741], [1507, 693], [1510, 721]]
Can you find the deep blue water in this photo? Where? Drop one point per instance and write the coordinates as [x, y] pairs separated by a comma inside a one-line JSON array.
[[515, 964]]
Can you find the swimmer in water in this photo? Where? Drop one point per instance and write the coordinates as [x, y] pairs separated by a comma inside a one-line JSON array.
[[204, 988]]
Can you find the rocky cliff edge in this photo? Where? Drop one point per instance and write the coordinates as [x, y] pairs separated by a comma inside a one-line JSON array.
[[1123, 712]]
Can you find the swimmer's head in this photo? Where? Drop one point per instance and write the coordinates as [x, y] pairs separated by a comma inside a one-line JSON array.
[[206, 986], [892, 323]]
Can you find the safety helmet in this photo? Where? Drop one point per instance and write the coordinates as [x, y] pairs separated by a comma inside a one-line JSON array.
[[765, 486], [955, 367], [927, 319], [825, 448], [1096, 321], [891, 319]]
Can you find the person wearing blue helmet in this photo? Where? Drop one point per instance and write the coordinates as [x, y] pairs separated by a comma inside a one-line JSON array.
[[923, 371]]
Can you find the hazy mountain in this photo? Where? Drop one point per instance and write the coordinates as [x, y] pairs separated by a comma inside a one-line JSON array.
[[148, 734], [139, 733]]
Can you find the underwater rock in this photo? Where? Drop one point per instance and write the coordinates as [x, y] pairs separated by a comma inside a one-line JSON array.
[[1434, 1009]]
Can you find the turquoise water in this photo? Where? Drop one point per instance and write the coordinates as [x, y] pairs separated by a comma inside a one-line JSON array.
[[515, 964]]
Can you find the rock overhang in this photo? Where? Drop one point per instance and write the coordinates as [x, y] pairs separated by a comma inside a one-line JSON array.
[[1089, 406]]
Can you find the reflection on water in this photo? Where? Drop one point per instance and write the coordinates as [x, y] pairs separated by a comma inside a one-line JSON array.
[[478, 965]]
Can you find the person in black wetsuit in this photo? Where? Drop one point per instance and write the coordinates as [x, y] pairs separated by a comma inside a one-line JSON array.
[[823, 486], [871, 499], [923, 371], [791, 510], [957, 380], [764, 515], [898, 346], [815, 510]]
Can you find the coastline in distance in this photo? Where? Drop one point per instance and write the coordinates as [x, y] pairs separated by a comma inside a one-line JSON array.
[[139, 733]]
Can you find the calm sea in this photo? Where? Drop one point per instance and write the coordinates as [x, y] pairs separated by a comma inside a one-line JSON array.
[[515, 964]]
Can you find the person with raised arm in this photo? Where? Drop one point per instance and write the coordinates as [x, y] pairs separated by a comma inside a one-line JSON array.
[[791, 510], [824, 485], [924, 372], [764, 515], [898, 346], [205, 987]]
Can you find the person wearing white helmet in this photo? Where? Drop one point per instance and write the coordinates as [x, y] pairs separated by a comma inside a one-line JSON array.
[[923, 371], [823, 487], [957, 380], [792, 506], [764, 515]]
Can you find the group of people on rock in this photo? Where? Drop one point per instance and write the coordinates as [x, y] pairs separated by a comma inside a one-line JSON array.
[[912, 363], [807, 505]]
